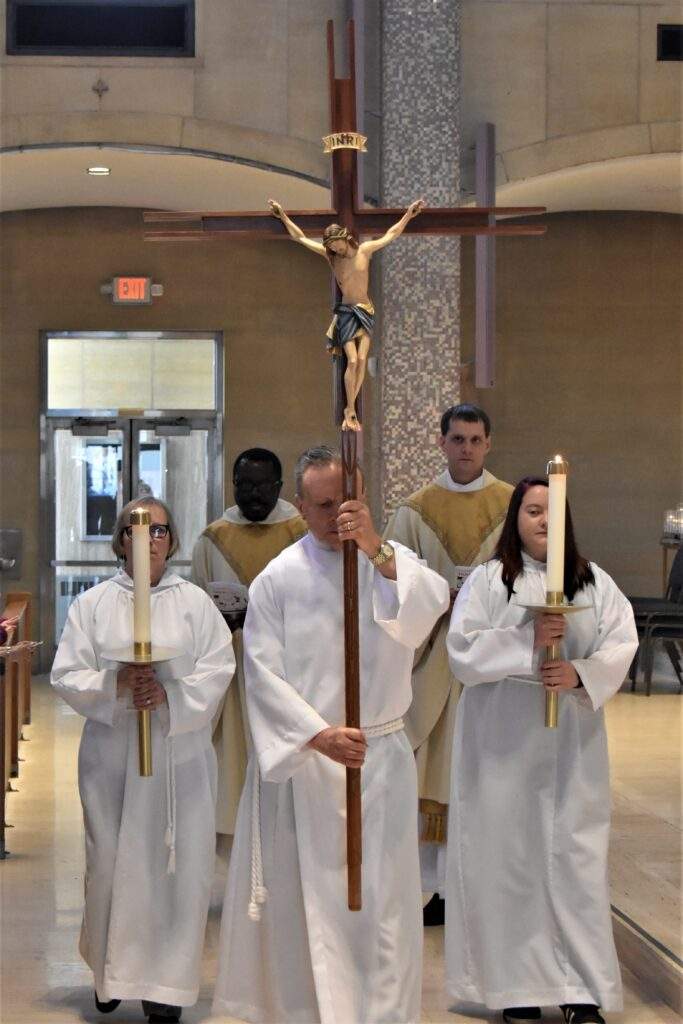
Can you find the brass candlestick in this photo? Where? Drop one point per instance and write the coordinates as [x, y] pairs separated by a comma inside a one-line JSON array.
[[143, 654], [140, 520], [555, 601], [555, 605], [557, 470]]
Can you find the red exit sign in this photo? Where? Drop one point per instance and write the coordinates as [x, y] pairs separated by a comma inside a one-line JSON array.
[[132, 291]]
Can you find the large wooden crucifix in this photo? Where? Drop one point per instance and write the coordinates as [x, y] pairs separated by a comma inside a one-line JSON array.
[[344, 142]]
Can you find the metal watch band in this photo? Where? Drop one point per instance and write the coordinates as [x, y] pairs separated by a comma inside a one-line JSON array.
[[383, 555]]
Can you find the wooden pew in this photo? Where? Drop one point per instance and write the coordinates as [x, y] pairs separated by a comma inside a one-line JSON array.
[[15, 695], [6, 719], [18, 605]]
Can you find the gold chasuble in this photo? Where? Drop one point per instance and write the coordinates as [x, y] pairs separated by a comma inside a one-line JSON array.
[[453, 530], [235, 550], [462, 520], [249, 549]]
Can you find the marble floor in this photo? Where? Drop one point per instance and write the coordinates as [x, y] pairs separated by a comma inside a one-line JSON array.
[[645, 848], [43, 979]]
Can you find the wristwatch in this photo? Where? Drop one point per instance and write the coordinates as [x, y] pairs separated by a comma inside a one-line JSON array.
[[383, 555]]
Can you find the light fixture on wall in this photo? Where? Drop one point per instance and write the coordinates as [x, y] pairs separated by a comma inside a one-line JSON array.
[[99, 172]]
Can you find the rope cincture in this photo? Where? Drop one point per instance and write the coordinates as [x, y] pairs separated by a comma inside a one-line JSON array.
[[259, 893], [170, 806]]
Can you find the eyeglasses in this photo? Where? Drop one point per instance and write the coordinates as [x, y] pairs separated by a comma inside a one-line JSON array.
[[245, 487], [157, 531]]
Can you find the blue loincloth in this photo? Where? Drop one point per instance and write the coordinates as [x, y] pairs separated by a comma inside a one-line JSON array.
[[347, 322]]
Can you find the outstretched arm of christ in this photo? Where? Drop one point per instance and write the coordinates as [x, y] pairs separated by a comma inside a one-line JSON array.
[[372, 246], [295, 231]]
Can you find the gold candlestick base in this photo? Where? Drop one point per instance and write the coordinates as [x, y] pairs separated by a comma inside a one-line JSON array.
[[555, 605]]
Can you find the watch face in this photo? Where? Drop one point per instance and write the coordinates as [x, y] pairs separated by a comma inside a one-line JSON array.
[[383, 555]]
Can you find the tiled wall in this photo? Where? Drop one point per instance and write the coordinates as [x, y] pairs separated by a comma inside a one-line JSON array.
[[420, 339], [419, 326]]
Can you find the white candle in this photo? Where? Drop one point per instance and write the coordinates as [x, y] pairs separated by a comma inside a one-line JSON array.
[[557, 486], [140, 520]]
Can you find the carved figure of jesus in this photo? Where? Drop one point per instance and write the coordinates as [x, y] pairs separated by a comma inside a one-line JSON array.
[[354, 317]]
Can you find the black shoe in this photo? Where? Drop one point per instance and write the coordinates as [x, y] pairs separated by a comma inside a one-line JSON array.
[[106, 1007], [161, 1013], [521, 1014], [582, 1013], [434, 912]]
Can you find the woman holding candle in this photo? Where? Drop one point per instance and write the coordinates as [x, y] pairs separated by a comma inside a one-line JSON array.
[[528, 914], [149, 840]]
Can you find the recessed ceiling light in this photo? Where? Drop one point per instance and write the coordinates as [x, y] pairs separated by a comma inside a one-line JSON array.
[[99, 172]]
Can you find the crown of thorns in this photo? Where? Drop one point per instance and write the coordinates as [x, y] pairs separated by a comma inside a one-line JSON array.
[[336, 233]]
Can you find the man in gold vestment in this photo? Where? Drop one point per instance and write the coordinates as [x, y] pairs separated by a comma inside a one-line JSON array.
[[234, 550], [453, 524]]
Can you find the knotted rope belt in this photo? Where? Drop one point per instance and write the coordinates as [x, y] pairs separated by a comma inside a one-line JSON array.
[[170, 806], [259, 893]]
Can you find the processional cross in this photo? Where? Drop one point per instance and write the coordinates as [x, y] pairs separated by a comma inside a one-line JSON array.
[[343, 143]]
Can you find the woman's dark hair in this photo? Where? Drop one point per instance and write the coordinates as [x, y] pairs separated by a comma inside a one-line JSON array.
[[577, 571]]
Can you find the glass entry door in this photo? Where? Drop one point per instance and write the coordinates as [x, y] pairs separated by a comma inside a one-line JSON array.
[[92, 467], [174, 461]]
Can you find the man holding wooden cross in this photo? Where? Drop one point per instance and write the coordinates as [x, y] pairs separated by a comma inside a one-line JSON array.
[[290, 948]]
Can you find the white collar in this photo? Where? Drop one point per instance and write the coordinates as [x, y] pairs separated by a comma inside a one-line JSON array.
[[168, 579], [483, 480], [280, 514], [319, 545]]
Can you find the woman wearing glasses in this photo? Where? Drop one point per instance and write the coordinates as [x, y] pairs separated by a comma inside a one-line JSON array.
[[149, 841]]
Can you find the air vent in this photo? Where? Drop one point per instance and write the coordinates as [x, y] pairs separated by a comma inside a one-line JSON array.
[[669, 42], [130, 28]]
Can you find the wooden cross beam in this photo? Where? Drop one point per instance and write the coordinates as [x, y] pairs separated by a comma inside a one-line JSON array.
[[484, 221], [346, 211]]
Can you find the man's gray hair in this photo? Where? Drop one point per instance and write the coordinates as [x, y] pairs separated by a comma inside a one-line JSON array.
[[123, 520], [319, 455]]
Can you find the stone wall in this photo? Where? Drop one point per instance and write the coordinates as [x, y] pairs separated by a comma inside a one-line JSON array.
[[256, 89], [567, 82]]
